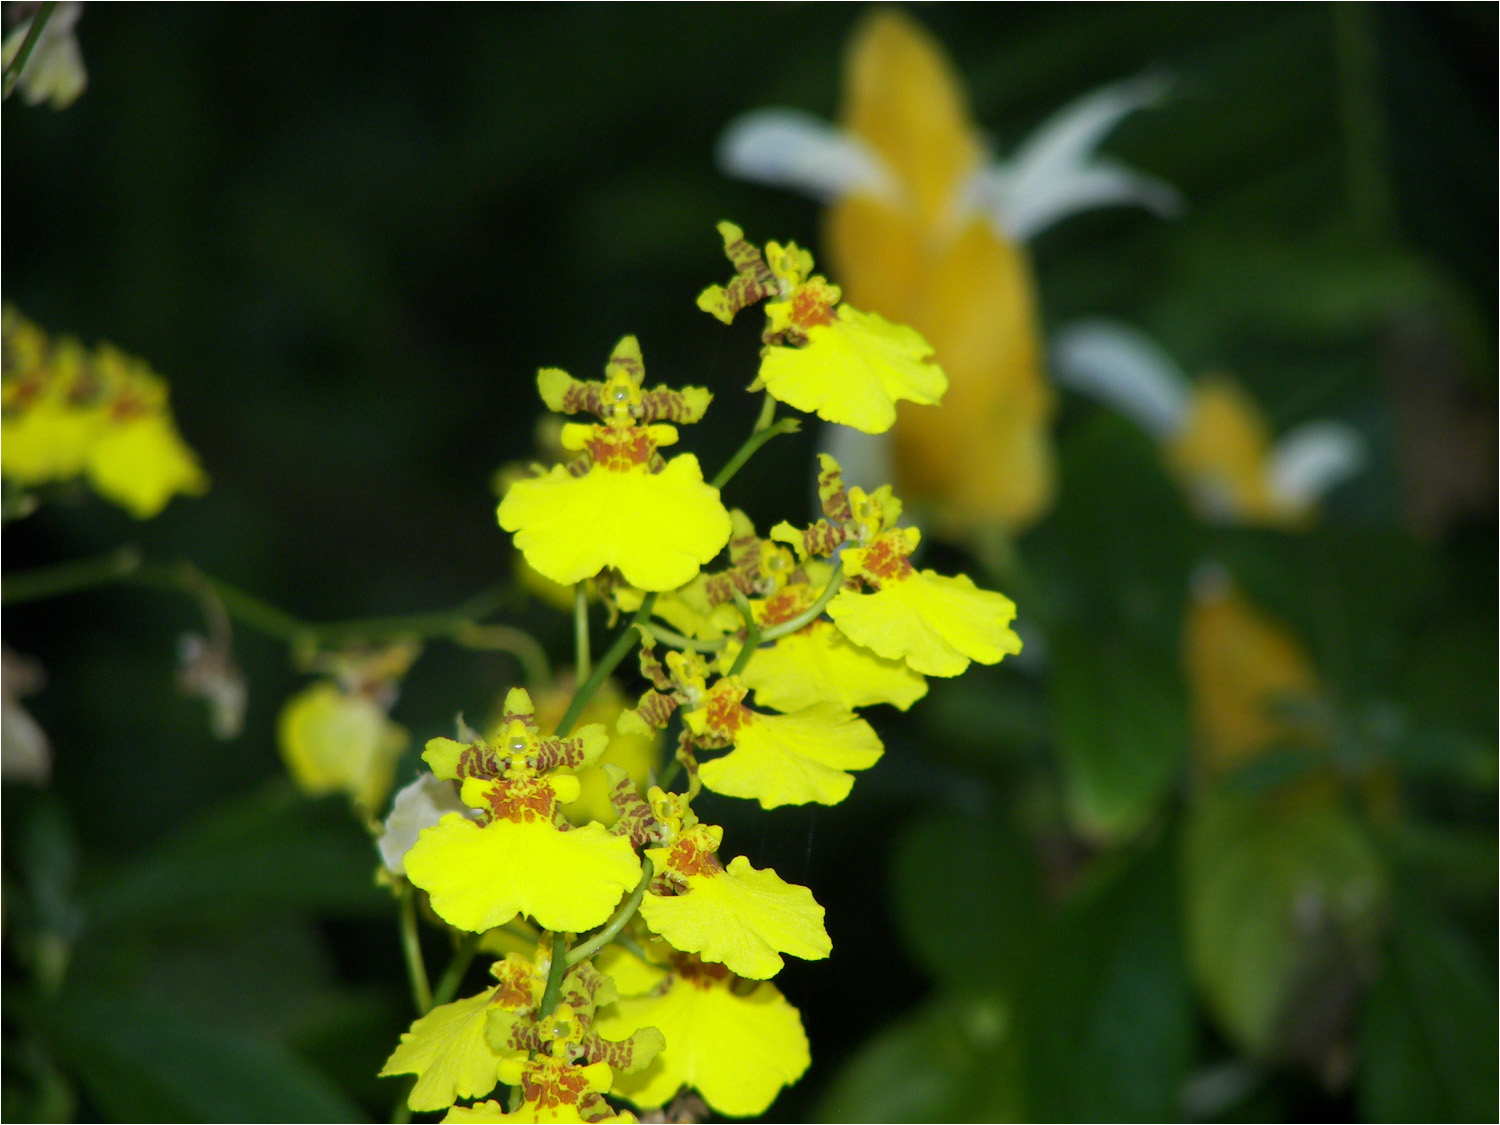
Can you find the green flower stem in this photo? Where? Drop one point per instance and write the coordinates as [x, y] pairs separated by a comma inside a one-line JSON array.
[[447, 623], [411, 949], [23, 55], [70, 577], [555, 974], [807, 616], [767, 414], [752, 443], [752, 634], [677, 640], [623, 644], [532, 657], [617, 923], [244, 608], [453, 975], [125, 564], [581, 629]]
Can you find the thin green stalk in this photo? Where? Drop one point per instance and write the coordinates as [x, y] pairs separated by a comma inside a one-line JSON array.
[[623, 644], [767, 414], [535, 667], [555, 974], [752, 634], [244, 608], [23, 55], [807, 616], [453, 975], [677, 640], [757, 439], [70, 577], [411, 949], [581, 629], [617, 923]]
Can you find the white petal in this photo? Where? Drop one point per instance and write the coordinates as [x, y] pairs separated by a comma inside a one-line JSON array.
[[788, 148], [417, 806], [1125, 368], [1055, 172], [1309, 461], [865, 459]]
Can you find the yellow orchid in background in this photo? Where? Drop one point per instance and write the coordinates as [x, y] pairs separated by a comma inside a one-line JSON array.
[[335, 740], [1213, 435], [1242, 670], [926, 229], [67, 412]]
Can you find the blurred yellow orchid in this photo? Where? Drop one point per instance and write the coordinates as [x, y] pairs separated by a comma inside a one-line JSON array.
[[925, 229], [1213, 436]]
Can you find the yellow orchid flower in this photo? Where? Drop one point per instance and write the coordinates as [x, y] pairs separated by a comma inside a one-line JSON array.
[[737, 916], [736, 1043], [448, 1049], [619, 504], [821, 355], [552, 1091], [339, 741], [925, 229], [1213, 436], [936, 623], [481, 872], [65, 412]]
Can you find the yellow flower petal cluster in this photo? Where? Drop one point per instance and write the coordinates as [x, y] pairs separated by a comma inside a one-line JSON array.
[[338, 741], [822, 356], [781, 759], [65, 412], [819, 663], [481, 872], [448, 1048], [739, 916], [619, 504], [552, 1091], [736, 1045], [937, 624]]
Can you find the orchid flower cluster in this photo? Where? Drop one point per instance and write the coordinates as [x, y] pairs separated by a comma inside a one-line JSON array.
[[638, 956], [67, 412]]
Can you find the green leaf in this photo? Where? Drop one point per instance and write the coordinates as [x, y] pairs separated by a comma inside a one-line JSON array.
[[984, 934], [954, 1059], [1108, 1022], [139, 1064], [1122, 731], [1428, 1042], [1115, 503], [1284, 896], [272, 851]]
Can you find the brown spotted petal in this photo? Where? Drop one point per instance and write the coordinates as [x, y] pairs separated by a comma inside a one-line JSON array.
[[633, 817]]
